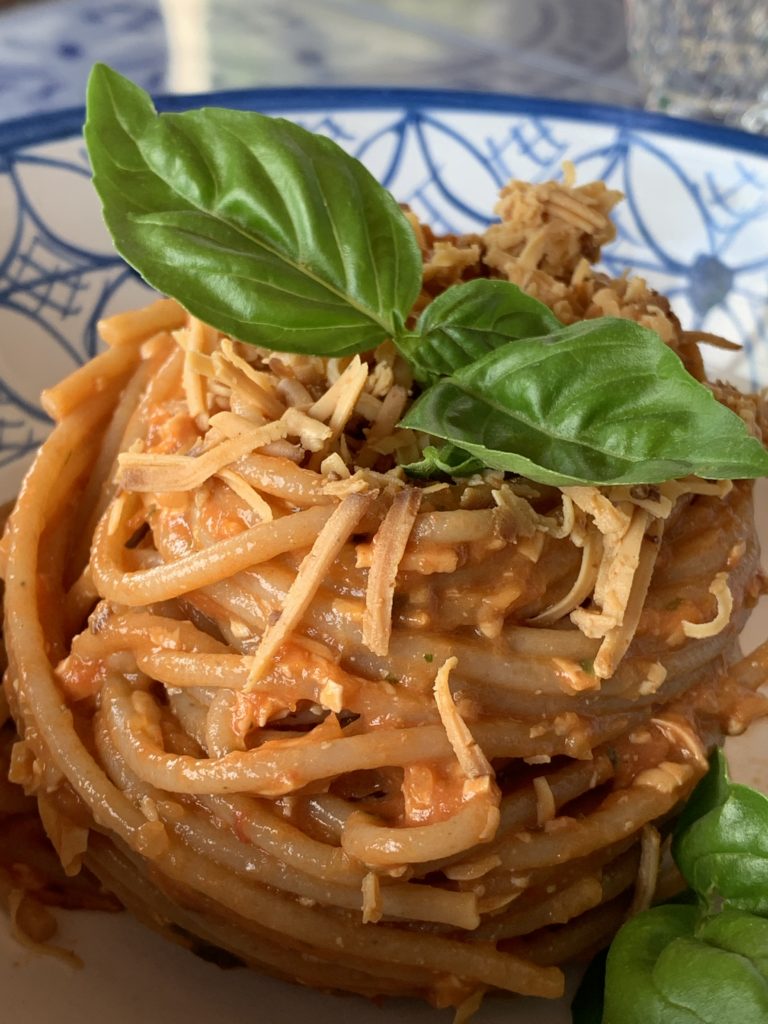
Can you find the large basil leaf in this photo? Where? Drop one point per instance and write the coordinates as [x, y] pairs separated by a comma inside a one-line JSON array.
[[602, 402], [724, 854], [663, 969], [469, 320], [260, 228]]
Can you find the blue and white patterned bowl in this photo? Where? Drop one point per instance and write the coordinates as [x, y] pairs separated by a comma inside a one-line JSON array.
[[695, 223]]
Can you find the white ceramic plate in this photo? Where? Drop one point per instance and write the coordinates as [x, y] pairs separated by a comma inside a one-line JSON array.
[[695, 223]]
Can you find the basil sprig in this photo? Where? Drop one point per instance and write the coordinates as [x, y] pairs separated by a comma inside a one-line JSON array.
[[704, 961], [279, 238]]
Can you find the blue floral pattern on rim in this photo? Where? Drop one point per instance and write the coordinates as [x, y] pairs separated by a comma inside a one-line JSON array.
[[694, 223]]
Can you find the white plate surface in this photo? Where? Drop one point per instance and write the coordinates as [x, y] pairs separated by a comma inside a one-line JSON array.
[[695, 223]]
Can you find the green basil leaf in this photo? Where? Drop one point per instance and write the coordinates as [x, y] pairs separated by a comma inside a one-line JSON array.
[[447, 460], [469, 320], [598, 402], [588, 1002], [661, 970], [724, 854], [257, 226]]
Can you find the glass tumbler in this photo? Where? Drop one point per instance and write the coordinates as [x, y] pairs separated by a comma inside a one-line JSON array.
[[706, 59]]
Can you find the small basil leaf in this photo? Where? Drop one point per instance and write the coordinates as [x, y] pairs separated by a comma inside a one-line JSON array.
[[711, 792], [469, 320], [447, 460], [257, 226], [587, 1005], [724, 854], [598, 402], [661, 971]]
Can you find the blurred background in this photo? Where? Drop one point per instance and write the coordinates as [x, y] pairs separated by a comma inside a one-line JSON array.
[[706, 59], [568, 49]]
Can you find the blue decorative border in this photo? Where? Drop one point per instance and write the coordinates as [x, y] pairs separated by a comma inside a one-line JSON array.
[[27, 131]]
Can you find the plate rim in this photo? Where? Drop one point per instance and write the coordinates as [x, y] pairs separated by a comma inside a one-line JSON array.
[[51, 126]]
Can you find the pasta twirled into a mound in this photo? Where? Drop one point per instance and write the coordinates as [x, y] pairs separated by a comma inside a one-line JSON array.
[[366, 733]]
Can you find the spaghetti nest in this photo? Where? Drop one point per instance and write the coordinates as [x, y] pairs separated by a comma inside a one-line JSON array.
[[370, 734]]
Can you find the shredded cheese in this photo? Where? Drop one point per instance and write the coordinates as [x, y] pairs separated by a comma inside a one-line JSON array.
[[545, 800], [645, 496], [679, 730], [582, 586], [232, 369], [248, 494], [573, 678], [312, 434], [388, 549], [361, 480], [388, 413], [116, 514], [638, 570], [372, 903], [231, 424], [145, 473], [722, 593], [665, 777], [608, 518], [338, 402], [656, 675], [334, 467], [621, 555], [468, 753], [194, 341], [332, 695], [312, 571], [524, 520]]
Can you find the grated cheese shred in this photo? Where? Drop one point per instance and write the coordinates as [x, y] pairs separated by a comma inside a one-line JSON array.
[[312, 571], [388, 549], [468, 753], [722, 593], [372, 903]]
